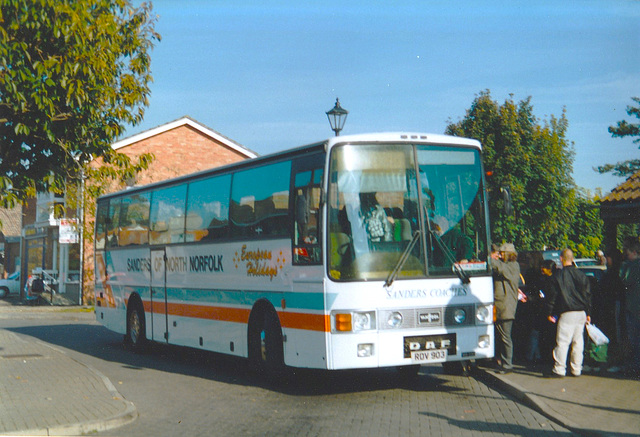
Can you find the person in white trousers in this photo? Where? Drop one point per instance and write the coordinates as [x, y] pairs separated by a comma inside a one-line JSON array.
[[571, 299]]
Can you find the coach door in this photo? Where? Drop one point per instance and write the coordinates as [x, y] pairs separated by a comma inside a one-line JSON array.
[[159, 321]]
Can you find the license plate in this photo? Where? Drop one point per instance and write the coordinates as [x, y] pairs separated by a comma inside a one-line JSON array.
[[432, 356], [430, 343]]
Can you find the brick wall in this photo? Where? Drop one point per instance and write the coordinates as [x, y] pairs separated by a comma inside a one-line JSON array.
[[180, 151], [29, 211]]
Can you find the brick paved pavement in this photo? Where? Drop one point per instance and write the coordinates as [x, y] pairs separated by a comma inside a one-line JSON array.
[[595, 404], [45, 392]]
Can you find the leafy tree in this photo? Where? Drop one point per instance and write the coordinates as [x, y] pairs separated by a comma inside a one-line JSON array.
[[586, 234], [73, 75], [534, 161], [96, 179], [621, 130]]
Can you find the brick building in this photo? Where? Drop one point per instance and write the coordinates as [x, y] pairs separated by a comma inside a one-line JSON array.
[[180, 147], [10, 232]]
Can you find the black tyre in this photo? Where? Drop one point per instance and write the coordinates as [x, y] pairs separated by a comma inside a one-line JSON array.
[[408, 373], [136, 336], [457, 368], [4, 292], [266, 353]]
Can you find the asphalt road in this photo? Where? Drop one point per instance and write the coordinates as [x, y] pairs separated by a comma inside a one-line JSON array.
[[181, 390]]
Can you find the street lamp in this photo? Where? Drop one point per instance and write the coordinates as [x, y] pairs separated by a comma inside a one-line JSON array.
[[337, 117]]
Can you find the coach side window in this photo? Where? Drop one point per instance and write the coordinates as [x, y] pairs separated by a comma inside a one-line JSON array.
[[134, 220], [208, 209], [113, 222], [307, 181], [168, 215], [101, 224], [260, 200]]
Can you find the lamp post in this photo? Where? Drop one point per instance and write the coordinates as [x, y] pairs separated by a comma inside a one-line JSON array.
[[78, 160], [337, 117]]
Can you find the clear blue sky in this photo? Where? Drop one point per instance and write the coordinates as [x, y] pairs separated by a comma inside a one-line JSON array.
[[264, 73]]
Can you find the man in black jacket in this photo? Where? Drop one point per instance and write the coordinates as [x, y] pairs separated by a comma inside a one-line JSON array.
[[571, 299]]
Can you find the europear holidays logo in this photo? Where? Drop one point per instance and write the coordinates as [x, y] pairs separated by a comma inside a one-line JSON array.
[[259, 262]]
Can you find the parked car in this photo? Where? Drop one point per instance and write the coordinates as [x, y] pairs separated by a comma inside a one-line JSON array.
[[11, 285], [531, 259], [585, 262], [593, 272], [552, 255]]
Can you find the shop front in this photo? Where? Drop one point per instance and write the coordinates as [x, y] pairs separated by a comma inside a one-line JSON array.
[[56, 262]]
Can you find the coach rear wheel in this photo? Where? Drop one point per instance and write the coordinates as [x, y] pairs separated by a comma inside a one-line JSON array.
[[136, 337]]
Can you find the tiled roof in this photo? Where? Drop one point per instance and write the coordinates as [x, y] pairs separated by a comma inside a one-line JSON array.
[[11, 221], [627, 192]]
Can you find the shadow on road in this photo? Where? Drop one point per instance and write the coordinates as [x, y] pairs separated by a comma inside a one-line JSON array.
[[95, 340]]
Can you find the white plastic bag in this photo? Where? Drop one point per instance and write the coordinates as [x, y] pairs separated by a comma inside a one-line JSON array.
[[596, 335]]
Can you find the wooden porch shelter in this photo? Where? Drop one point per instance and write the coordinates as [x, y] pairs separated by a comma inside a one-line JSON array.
[[621, 206]]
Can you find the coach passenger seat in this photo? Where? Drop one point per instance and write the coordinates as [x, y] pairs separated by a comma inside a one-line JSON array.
[[339, 247]]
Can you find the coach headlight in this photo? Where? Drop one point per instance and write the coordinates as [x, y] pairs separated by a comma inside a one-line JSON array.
[[484, 314], [459, 316], [355, 321], [363, 321], [394, 320]]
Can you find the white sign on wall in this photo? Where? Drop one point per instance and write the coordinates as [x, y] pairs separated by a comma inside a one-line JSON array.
[[68, 231]]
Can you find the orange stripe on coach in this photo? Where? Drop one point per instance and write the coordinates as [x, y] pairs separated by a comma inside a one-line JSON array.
[[309, 322]]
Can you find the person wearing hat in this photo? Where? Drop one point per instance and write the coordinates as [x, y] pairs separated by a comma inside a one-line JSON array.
[[570, 297], [506, 278]]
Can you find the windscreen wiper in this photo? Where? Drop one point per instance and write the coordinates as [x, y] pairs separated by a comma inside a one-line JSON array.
[[456, 267], [403, 258]]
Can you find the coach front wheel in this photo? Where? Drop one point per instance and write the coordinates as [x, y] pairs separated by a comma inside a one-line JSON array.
[[408, 373], [457, 368], [265, 344]]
